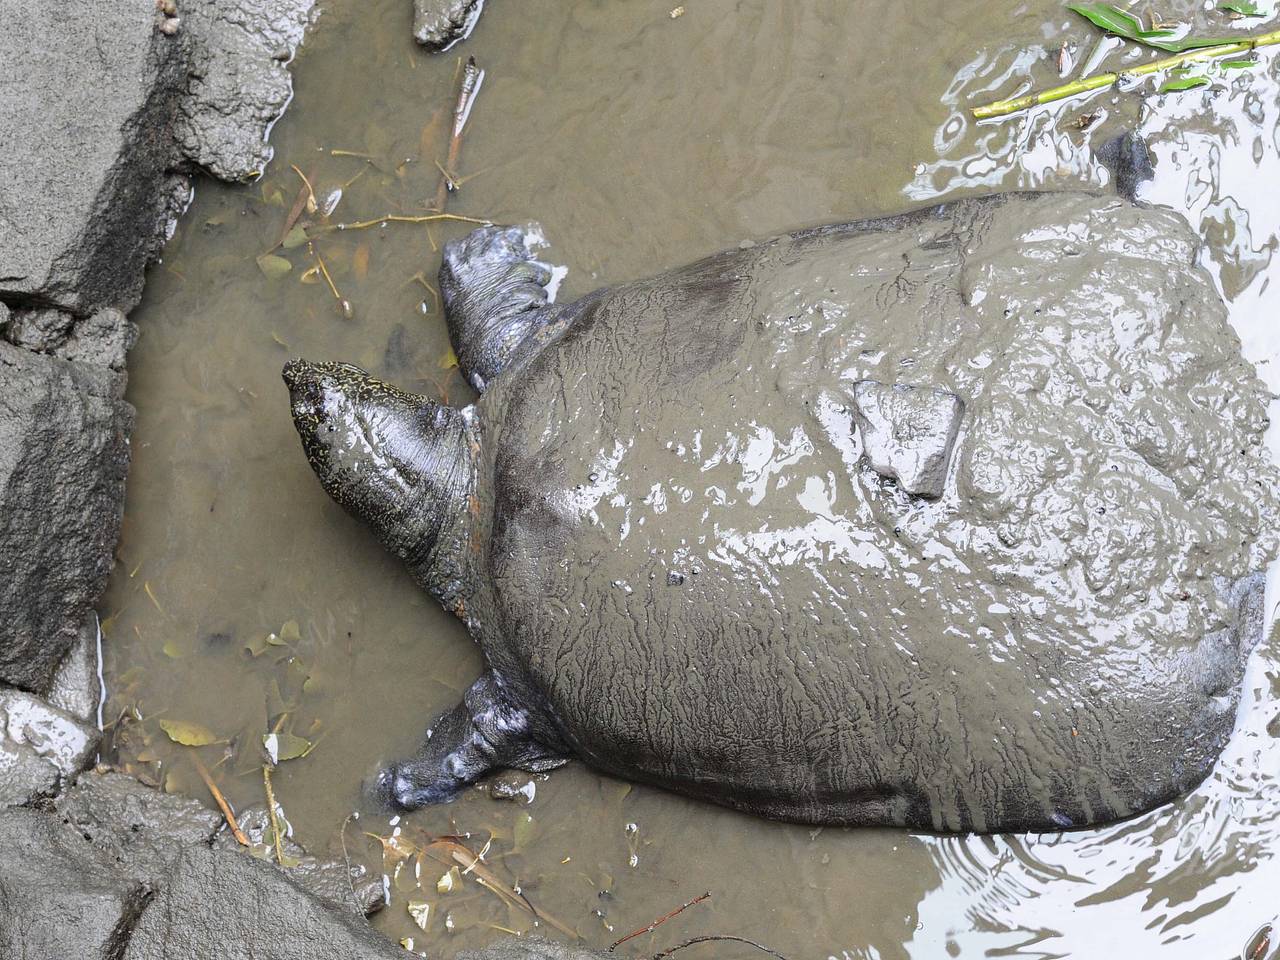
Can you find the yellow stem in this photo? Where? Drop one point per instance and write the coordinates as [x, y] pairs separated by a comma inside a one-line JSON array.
[[1002, 108]]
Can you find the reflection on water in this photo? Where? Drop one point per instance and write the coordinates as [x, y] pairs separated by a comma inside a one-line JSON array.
[[640, 142], [1196, 874]]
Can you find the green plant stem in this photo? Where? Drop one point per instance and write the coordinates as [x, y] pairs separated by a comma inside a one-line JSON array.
[[1002, 108]]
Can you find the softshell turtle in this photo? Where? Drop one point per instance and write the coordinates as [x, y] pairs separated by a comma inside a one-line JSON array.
[[951, 520]]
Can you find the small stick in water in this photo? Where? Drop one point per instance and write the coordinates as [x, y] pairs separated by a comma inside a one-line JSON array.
[[271, 807], [692, 940], [344, 306], [221, 801], [661, 920], [468, 88]]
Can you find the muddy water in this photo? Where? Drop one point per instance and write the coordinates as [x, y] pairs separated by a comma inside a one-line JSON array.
[[640, 141]]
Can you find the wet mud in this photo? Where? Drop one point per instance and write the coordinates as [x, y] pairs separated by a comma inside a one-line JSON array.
[[641, 142]]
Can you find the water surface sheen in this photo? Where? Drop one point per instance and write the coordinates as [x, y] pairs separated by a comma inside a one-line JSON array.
[[640, 141]]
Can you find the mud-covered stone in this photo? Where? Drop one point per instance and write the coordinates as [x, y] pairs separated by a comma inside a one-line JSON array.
[[90, 93], [907, 433], [438, 23], [136, 826], [327, 879], [76, 687], [59, 898], [239, 81], [37, 328], [229, 905], [103, 338], [63, 457], [40, 746]]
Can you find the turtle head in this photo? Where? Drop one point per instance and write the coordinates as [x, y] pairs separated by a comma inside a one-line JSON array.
[[400, 462]]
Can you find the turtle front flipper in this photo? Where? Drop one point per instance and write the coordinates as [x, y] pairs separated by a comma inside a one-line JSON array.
[[496, 296], [487, 732]]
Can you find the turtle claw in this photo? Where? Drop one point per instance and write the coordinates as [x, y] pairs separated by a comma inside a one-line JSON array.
[[484, 733], [495, 295]]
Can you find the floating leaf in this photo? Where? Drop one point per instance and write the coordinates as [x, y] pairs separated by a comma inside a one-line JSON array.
[[285, 746], [524, 831], [290, 631], [171, 649], [1243, 7], [1184, 83], [310, 275], [1237, 64], [257, 647], [420, 910], [449, 360], [274, 267], [1122, 24], [188, 734], [296, 237], [275, 640]]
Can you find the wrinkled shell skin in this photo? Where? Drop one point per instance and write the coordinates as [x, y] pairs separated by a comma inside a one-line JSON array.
[[679, 554]]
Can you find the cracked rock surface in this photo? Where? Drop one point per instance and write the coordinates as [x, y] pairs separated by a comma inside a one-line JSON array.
[[63, 455], [239, 82], [116, 869]]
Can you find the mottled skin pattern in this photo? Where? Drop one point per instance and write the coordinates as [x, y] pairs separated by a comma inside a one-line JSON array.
[[659, 525]]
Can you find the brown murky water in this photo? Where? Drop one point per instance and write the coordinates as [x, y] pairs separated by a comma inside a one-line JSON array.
[[640, 141]]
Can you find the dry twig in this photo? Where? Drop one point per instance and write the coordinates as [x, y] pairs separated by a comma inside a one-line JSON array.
[[221, 801], [661, 920], [468, 87], [692, 940]]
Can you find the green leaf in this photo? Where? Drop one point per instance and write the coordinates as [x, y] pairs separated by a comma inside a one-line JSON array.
[[1122, 24], [1243, 7], [285, 746], [1184, 83], [295, 238], [274, 267], [188, 734], [257, 647], [290, 631], [1237, 64], [525, 829]]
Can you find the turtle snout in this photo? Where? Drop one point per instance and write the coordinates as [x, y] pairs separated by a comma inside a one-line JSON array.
[[303, 379], [395, 786]]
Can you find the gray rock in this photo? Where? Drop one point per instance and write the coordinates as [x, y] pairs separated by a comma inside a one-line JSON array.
[[239, 83], [40, 329], [136, 826], [25, 775], [219, 903], [58, 897], [438, 23], [907, 433], [40, 746], [93, 90], [104, 338], [327, 879], [76, 688], [63, 457]]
